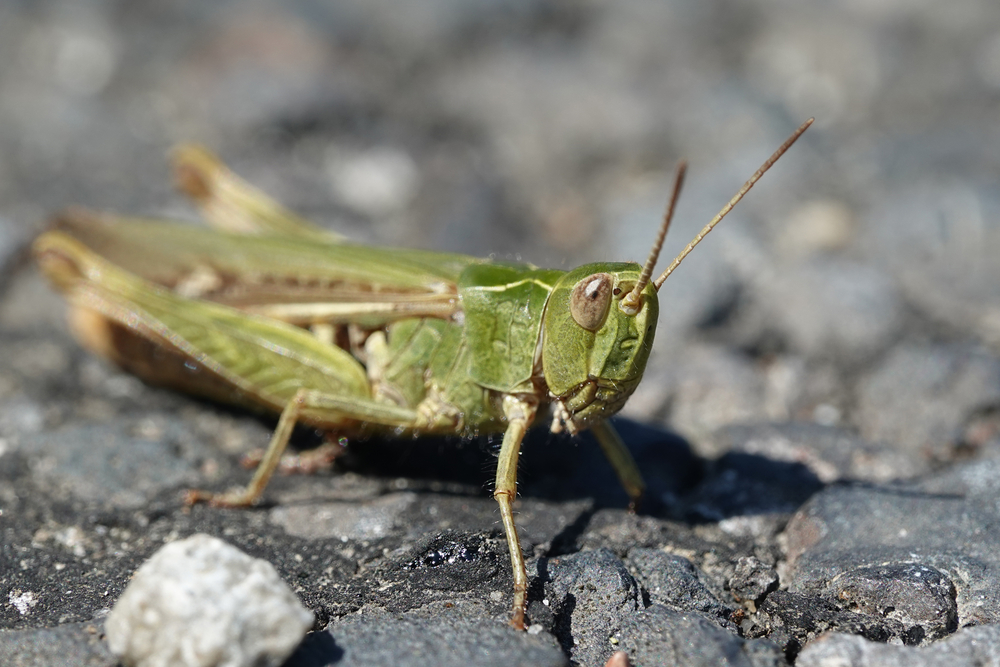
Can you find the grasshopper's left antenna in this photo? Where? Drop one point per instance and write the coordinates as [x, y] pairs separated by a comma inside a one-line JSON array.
[[630, 303], [732, 202]]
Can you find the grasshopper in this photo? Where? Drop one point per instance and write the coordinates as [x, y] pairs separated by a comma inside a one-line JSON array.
[[269, 311]]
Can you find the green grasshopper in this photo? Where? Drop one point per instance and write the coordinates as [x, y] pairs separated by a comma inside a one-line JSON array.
[[272, 312]]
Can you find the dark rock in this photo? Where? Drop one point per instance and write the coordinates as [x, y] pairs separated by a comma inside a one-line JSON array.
[[660, 636], [451, 561], [674, 582], [591, 593], [933, 533], [919, 597], [712, 548], [441, 572], [622, 531], [752, 580], [791, 620], [546, 524]]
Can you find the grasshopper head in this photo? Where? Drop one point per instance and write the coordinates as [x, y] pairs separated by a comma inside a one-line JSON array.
[[593, 350], [597, 334], [600, 320]]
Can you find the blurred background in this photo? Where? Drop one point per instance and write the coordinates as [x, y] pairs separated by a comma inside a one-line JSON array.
[[857, 286]]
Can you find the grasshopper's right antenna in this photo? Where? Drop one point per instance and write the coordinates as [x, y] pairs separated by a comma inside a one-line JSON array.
[[631, 302], [732, 202]]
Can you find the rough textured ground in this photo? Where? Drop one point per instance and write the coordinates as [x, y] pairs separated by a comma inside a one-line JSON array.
[[819, 425]]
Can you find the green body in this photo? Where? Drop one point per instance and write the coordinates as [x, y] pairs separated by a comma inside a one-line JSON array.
[[494, 329]]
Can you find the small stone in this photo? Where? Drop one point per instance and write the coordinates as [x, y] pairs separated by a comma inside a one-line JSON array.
[[200, 602], [791, 620], [618, 659], [920, 597], [22, 601]]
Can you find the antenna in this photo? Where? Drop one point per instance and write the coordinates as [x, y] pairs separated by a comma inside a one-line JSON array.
[[630, 302], [732, 202]]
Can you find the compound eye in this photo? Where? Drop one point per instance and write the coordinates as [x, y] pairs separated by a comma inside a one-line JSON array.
[[590, 300]]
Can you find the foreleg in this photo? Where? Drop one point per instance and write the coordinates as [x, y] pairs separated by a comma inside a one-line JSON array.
[[520, 413]]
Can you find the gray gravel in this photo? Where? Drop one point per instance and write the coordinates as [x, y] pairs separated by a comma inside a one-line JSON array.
[[80, 644], [972, 646], [819, 425], [458, 642], [932, 544], [660, 637]]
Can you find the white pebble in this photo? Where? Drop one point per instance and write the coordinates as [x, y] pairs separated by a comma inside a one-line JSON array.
[[200, 602]]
